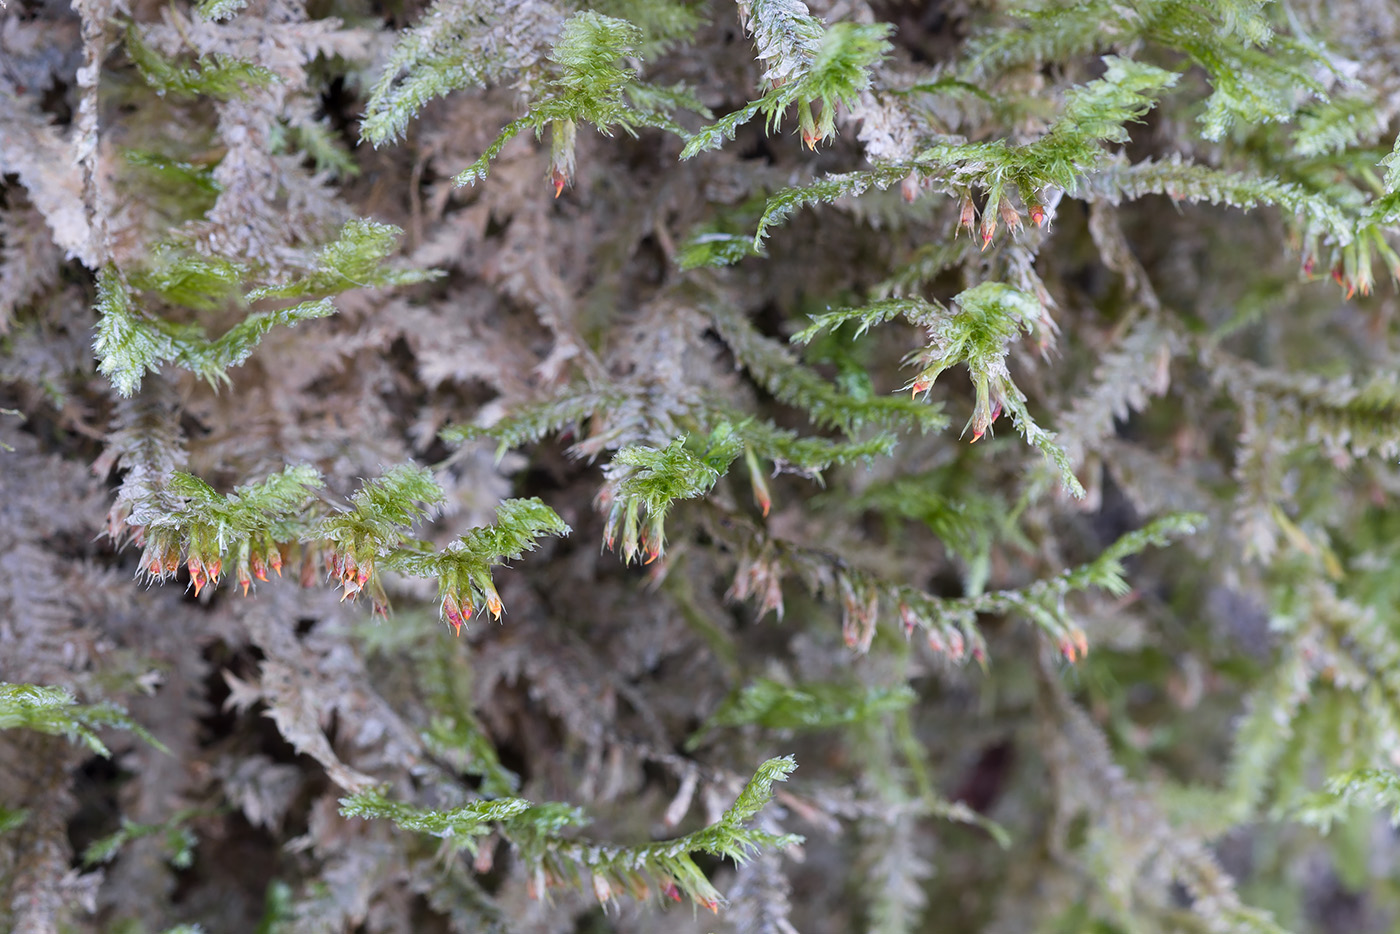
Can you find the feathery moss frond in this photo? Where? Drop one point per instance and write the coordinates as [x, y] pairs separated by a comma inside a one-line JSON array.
[[354, 260], [645, 481], [807, 64], [1093, 114], [178, 840], [978, 335], [1255, 76], [188, 177], [790, 450], [1120, 180], [191, 522], [463, 568], [218, 76], [318, 143], [714, 248], [589, 87], [1373, 788], [785, 203], [1336, 126], [382, 511], [916, 311], [1042, 602], [537, 832], [257, 526], [189, 280], [129, 342], [777, 706], [529, 423], [455, 45], [56, 711], [772, 366]]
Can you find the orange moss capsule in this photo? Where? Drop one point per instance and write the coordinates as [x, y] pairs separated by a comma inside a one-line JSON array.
[[989, 228], [1037, 211], [1009, 215], [967, 213]]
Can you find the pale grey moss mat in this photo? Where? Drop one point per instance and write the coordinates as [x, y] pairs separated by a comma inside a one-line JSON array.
[[692, 467]]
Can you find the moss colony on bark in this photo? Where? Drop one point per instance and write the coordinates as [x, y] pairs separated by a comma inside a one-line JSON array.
[[501, 465]]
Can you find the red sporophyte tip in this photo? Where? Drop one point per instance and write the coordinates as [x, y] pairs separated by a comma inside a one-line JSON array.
[[258, 566], [1308, 266], [761, 496], [709, 903], [1010, 216], [197, 577], [653, 542], [921, 384], [989, 222], [1037, 215], [909, 188], [758, 484], [274, 561], [452, 610], [956, 646], [810, 138], [244, 580], [559, 179]]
